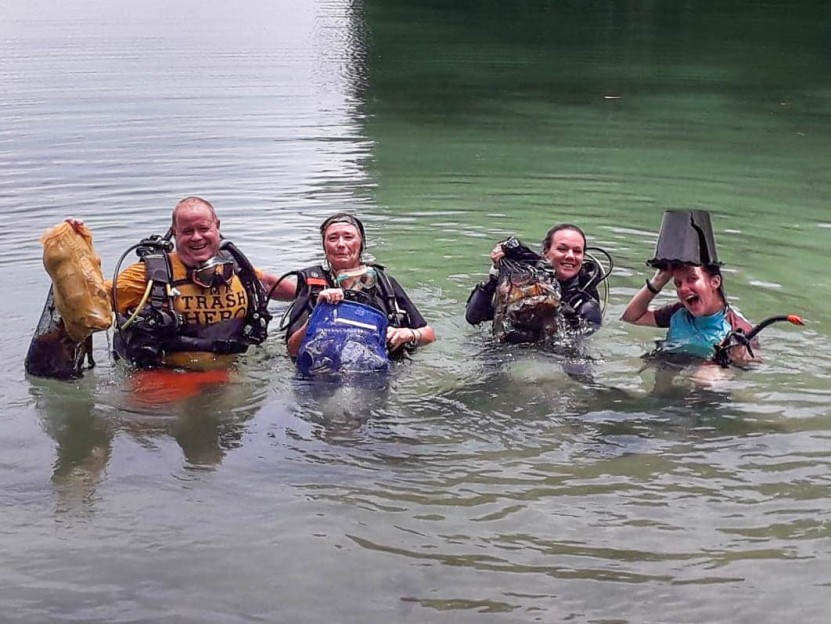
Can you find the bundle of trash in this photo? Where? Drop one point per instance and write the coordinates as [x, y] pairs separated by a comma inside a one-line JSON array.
[[528, 298], [77, 305]]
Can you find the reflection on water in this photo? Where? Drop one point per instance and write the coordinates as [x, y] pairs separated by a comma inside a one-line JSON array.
[[477, 482], [205, 417], [83, 440]]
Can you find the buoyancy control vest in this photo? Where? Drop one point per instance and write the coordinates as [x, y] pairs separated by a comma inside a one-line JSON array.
[[580, 301], [312, 280], [176, 315]]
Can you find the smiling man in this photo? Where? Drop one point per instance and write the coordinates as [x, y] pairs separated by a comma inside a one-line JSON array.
[[197, 306]]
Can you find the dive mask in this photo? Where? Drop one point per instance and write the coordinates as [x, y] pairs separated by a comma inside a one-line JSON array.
[[213, 273], [363, 278]]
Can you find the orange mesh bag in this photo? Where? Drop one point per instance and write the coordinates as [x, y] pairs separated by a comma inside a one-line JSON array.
[[75, 268]]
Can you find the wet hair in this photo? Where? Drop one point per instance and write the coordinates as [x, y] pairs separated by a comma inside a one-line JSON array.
[[714, 270], [709, 270], [344, 217], [188, 202], [546, 243]]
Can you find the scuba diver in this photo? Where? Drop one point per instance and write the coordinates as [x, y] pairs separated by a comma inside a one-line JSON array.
[[195, 307], [531, 297], [701, 323], [355, 303]]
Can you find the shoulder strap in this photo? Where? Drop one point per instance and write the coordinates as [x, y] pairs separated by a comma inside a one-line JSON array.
[[160, 275], [258, 316], [315, 277], [395, 315], [310, 281]]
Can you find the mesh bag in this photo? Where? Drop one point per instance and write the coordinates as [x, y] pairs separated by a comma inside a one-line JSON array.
[[52, 353], [526, 302]]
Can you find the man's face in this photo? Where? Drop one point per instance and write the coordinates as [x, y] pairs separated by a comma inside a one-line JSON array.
[[197, 234]]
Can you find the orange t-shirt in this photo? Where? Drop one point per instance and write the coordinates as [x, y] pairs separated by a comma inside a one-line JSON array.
[[211, 312]]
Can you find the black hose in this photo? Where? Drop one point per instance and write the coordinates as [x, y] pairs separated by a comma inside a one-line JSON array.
[[115, 287], [280, 279], [766, 323], [738, 338], [152, 241], [603, 275]]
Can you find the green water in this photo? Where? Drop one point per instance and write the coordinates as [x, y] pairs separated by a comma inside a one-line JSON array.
[[479, 483], [491, 118]]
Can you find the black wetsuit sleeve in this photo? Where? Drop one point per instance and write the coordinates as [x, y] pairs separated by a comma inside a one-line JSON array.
[[479, 305], [415, 320]]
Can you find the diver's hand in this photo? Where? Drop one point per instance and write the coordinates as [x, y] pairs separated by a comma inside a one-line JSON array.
[[398, 336], [330, 295], [76, 224], [661, 278], [497, 254]]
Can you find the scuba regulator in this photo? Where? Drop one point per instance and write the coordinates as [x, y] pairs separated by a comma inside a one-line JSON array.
[[155, 328], [154, 320]]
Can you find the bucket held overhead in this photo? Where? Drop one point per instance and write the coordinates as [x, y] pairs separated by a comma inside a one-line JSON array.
[[686, 238]]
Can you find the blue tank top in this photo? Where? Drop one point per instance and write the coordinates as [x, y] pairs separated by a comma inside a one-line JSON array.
[[695, 335]]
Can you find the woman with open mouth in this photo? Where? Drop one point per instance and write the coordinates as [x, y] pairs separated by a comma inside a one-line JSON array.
[[699, 321]]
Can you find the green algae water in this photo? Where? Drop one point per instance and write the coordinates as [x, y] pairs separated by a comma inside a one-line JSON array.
[[476, 483]]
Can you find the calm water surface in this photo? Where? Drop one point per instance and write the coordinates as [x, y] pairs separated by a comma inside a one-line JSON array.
[[478, 483]]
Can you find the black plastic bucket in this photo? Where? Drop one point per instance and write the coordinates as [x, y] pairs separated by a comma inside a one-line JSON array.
[[686, 238]]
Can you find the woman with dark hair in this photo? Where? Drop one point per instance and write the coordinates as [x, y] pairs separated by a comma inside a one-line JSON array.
[[564, 251], [701, 318]]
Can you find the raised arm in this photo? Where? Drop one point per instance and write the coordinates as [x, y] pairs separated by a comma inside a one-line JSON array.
[[638, 312]]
